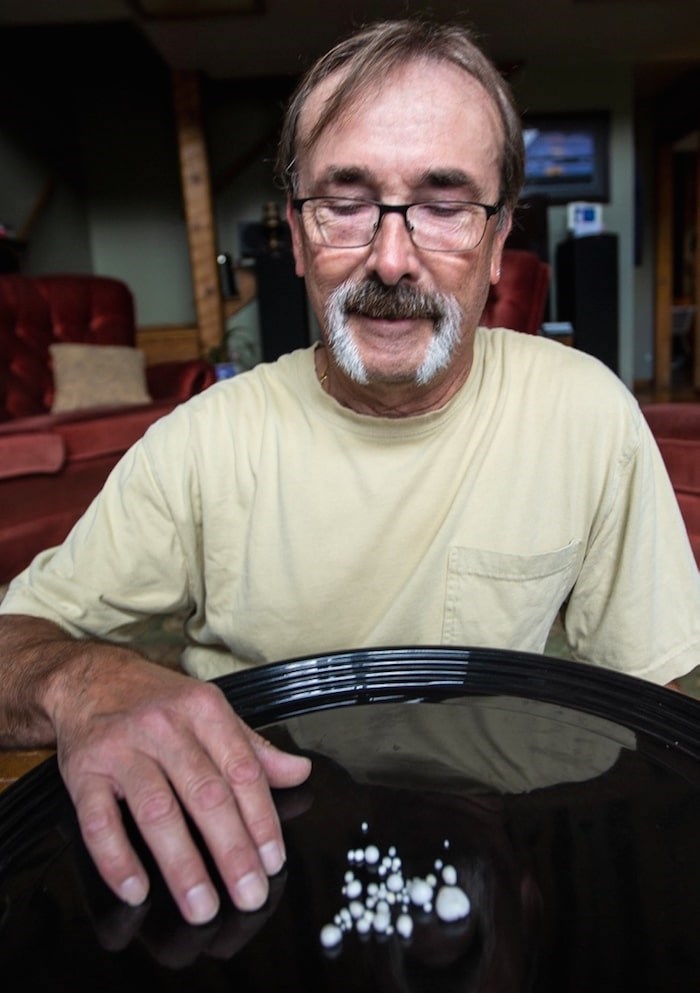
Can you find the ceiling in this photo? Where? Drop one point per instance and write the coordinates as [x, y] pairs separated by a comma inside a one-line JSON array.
[[660, 38]]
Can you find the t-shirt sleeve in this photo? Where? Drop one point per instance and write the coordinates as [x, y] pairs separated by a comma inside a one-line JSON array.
[[636, 603], [124, 560]]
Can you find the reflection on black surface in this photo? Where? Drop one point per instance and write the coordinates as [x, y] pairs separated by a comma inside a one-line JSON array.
[[494, 949], [575, 838], [618, 869], [157, 925]]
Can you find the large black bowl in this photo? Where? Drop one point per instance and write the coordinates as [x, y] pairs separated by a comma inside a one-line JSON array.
[[566, 797]]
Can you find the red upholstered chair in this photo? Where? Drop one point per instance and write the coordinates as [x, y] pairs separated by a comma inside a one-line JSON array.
[[676, 427], [519, 299], [52, 464], [38, 311]]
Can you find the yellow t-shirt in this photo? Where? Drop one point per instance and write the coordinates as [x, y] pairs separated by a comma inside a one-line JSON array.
[[288, 525]]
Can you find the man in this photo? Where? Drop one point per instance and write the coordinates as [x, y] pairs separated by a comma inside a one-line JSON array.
[[412, 480]]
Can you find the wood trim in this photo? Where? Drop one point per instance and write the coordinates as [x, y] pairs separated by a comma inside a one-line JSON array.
[[199, 210], [15, 763], [663, 275], [168, 343]]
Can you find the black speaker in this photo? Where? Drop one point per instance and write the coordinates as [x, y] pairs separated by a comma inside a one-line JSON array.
[[530, 230], [587, 294], [282, 302]]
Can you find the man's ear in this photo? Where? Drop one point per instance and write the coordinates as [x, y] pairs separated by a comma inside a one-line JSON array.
[[497, 249], [294, 222]]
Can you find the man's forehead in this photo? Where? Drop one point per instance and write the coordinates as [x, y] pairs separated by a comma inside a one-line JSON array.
[[423, 120], [319, 98]]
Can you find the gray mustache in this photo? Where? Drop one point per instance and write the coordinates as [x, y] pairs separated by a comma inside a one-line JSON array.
[[398, 302]]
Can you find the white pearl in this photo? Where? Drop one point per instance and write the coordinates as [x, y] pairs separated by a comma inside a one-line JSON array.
[[353, 889], [449, 875], [371, 854], [452, 903], [381, 922], [420, 891], [394, 882], [331, 936]]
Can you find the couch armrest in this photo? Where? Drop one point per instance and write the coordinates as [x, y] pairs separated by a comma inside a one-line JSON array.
[[180, 380], [31, 453], [682, 459]]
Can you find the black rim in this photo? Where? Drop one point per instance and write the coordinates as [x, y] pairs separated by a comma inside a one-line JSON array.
[[287, 689], [281, 690]]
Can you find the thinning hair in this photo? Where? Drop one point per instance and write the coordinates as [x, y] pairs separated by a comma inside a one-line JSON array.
[[367, 57]]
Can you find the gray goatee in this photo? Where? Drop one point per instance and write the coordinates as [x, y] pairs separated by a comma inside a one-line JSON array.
[[400, 302]]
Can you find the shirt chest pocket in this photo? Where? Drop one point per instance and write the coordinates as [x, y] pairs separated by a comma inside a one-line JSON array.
[[501, 600]]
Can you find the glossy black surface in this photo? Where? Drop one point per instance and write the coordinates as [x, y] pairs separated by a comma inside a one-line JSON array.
[[570, 798]]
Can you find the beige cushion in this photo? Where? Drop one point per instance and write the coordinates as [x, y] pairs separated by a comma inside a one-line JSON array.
[[97, 376]]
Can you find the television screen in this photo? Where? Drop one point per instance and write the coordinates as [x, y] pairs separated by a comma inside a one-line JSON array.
[[566, 158]]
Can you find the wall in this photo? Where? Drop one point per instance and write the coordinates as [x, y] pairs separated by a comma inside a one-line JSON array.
[[39, 136], [137, 228], [243, 118], [94, 116]]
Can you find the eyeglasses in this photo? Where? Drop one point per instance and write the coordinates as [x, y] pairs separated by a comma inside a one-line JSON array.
[[435, 225]]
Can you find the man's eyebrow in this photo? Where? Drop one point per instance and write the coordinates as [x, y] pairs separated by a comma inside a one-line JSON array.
[[450, 179], [347, 175]]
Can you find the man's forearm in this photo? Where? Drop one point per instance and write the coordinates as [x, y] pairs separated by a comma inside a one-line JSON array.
[[38, 662]]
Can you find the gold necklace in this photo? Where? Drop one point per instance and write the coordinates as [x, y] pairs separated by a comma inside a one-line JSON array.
[[324, 375]]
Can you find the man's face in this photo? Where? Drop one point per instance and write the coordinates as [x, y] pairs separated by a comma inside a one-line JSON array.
[[430, 132]]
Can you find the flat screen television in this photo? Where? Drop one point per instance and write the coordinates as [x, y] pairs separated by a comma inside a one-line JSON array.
[[567, 156]]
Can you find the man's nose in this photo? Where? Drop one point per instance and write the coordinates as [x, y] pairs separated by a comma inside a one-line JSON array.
[[392, 254]]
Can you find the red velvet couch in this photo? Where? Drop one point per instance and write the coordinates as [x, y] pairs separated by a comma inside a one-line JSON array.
[[676, 427], [53, 464]]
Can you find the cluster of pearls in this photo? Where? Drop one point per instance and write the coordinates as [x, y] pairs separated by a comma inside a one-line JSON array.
[[384, 901]]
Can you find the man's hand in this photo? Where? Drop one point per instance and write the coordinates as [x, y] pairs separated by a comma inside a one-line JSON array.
[[128, 729]]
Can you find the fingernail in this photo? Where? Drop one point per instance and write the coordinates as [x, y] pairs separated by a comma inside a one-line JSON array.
[[251, 892], [202, 903], [272, 857], [133, 891]]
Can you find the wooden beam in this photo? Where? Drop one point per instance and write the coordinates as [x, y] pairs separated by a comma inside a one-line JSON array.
[[663, 275], [199, 210]]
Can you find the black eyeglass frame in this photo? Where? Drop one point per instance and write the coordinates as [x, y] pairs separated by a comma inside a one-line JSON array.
[[402, 208]]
